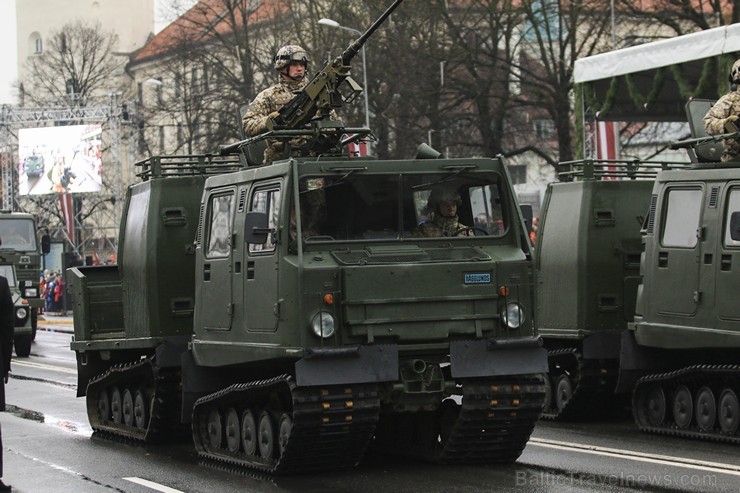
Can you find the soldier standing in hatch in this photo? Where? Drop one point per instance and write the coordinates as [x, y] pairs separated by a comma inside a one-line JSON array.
[[291, 62], [724, 112], [7, 320]]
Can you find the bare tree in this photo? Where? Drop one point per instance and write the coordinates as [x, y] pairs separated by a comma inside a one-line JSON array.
[[76, 62]]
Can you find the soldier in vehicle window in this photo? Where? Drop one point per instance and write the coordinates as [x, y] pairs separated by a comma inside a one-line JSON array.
[[722, 117], [443, 221]]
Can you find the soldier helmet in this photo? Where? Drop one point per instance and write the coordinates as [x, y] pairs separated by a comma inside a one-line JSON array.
[[735, 72], [291, 53], [440, 195]]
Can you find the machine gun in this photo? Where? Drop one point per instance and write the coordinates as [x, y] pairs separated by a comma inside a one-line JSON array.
[[322, 94]]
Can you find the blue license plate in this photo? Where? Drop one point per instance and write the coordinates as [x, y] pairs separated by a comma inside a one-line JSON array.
[[478, 278]]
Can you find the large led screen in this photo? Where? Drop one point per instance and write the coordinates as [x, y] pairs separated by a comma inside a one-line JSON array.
[[60, 159]]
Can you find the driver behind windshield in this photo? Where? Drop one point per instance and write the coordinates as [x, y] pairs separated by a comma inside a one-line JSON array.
[[442, 220]]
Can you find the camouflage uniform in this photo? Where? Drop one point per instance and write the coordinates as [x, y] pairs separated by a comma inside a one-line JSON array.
[[267, 102], [441, 226], [720, 114]]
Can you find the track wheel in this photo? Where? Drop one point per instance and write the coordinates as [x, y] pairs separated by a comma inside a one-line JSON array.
[[655, 406], [104, 406], [232, 430], [266, 435], [141, 410], [563, 392], [249, 433], [728, 412], [116, 405], [128, 408], [214, 429], [683, 407], [706, 409], [284, 429]]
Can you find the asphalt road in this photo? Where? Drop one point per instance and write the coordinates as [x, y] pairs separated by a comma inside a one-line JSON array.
[[48, 447]]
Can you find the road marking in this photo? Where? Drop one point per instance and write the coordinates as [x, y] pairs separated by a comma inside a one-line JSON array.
[[639, 456], [41, 366], [153, 485]]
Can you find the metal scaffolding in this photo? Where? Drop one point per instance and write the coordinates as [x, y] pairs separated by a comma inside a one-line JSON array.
[[97, 215]]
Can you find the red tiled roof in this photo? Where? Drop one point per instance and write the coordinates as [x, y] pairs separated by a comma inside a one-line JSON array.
[[204, 13]]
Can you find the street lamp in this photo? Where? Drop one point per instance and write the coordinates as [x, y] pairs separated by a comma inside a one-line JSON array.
[[335, 24]]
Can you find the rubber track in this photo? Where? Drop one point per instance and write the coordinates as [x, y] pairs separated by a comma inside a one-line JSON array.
[[163, 385], [593, 391], [716, 377], [332, 425], [496, 418]]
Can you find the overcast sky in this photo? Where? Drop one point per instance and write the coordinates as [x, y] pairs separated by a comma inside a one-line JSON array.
[[8, 51]]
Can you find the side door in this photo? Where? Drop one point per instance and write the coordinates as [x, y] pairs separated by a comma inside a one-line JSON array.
[[728, 268], [261, 304], [216, 296], [676, 264]]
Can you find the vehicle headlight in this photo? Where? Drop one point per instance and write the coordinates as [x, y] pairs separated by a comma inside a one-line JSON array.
[[30, 293], [513, 315], [323, 324], [21, 312]]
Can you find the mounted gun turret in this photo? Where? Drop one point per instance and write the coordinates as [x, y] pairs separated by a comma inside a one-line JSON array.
[[305, 124]]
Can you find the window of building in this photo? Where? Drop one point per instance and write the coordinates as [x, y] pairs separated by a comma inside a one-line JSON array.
[[179, 134], [178, 85], [544, 128], [39, 46], [682, 213], [161, 138]]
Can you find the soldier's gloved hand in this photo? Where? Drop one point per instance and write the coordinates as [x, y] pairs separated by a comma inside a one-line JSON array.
[[270, 120], [731, 124]]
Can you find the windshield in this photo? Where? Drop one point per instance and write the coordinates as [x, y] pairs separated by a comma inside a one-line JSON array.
[[8, 273], [17, 234], [360, 206]]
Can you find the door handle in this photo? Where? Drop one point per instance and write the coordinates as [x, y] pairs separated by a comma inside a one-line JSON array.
[[662, 259]]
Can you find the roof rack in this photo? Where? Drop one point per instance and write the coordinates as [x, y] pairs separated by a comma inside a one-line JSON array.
[[186, 164], [616, 169]]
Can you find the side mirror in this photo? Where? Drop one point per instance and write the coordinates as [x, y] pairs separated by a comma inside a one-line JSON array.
[[735, 226], [45, 244], [255, 228]]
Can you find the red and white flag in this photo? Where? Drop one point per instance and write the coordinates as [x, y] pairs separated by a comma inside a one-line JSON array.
[[66, 204], [607, 138]]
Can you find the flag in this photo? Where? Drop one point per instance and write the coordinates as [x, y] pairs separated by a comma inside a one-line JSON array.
[[607, 144], [68, 214]]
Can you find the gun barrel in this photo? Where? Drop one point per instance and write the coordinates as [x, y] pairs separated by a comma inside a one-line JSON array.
[[356, 45]]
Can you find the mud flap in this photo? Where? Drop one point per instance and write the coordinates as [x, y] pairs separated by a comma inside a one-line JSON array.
[[490, 357], [359, 364]]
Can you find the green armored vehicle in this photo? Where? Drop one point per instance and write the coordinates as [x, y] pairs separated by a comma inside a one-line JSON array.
[[294, 313], [19, 246], [684, 344], [22, 292], [587, 261]]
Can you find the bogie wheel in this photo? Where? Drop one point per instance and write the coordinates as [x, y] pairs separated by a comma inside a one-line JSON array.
[[728, 412], [116, 407], [655, 406], [141, 410], [249, 433], [104, 406], [284, 429], [683, 407], [266, 435], [233, 439], [706, 409], [128, 408], [563, 392], [214, 429]]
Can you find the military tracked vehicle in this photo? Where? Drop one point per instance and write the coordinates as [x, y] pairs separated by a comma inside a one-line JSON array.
[[20, 246], [587, 261], [293, 314], [682, 352]]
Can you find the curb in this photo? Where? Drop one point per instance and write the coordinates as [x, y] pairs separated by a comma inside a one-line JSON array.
[[60, 322], [52, 329]]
